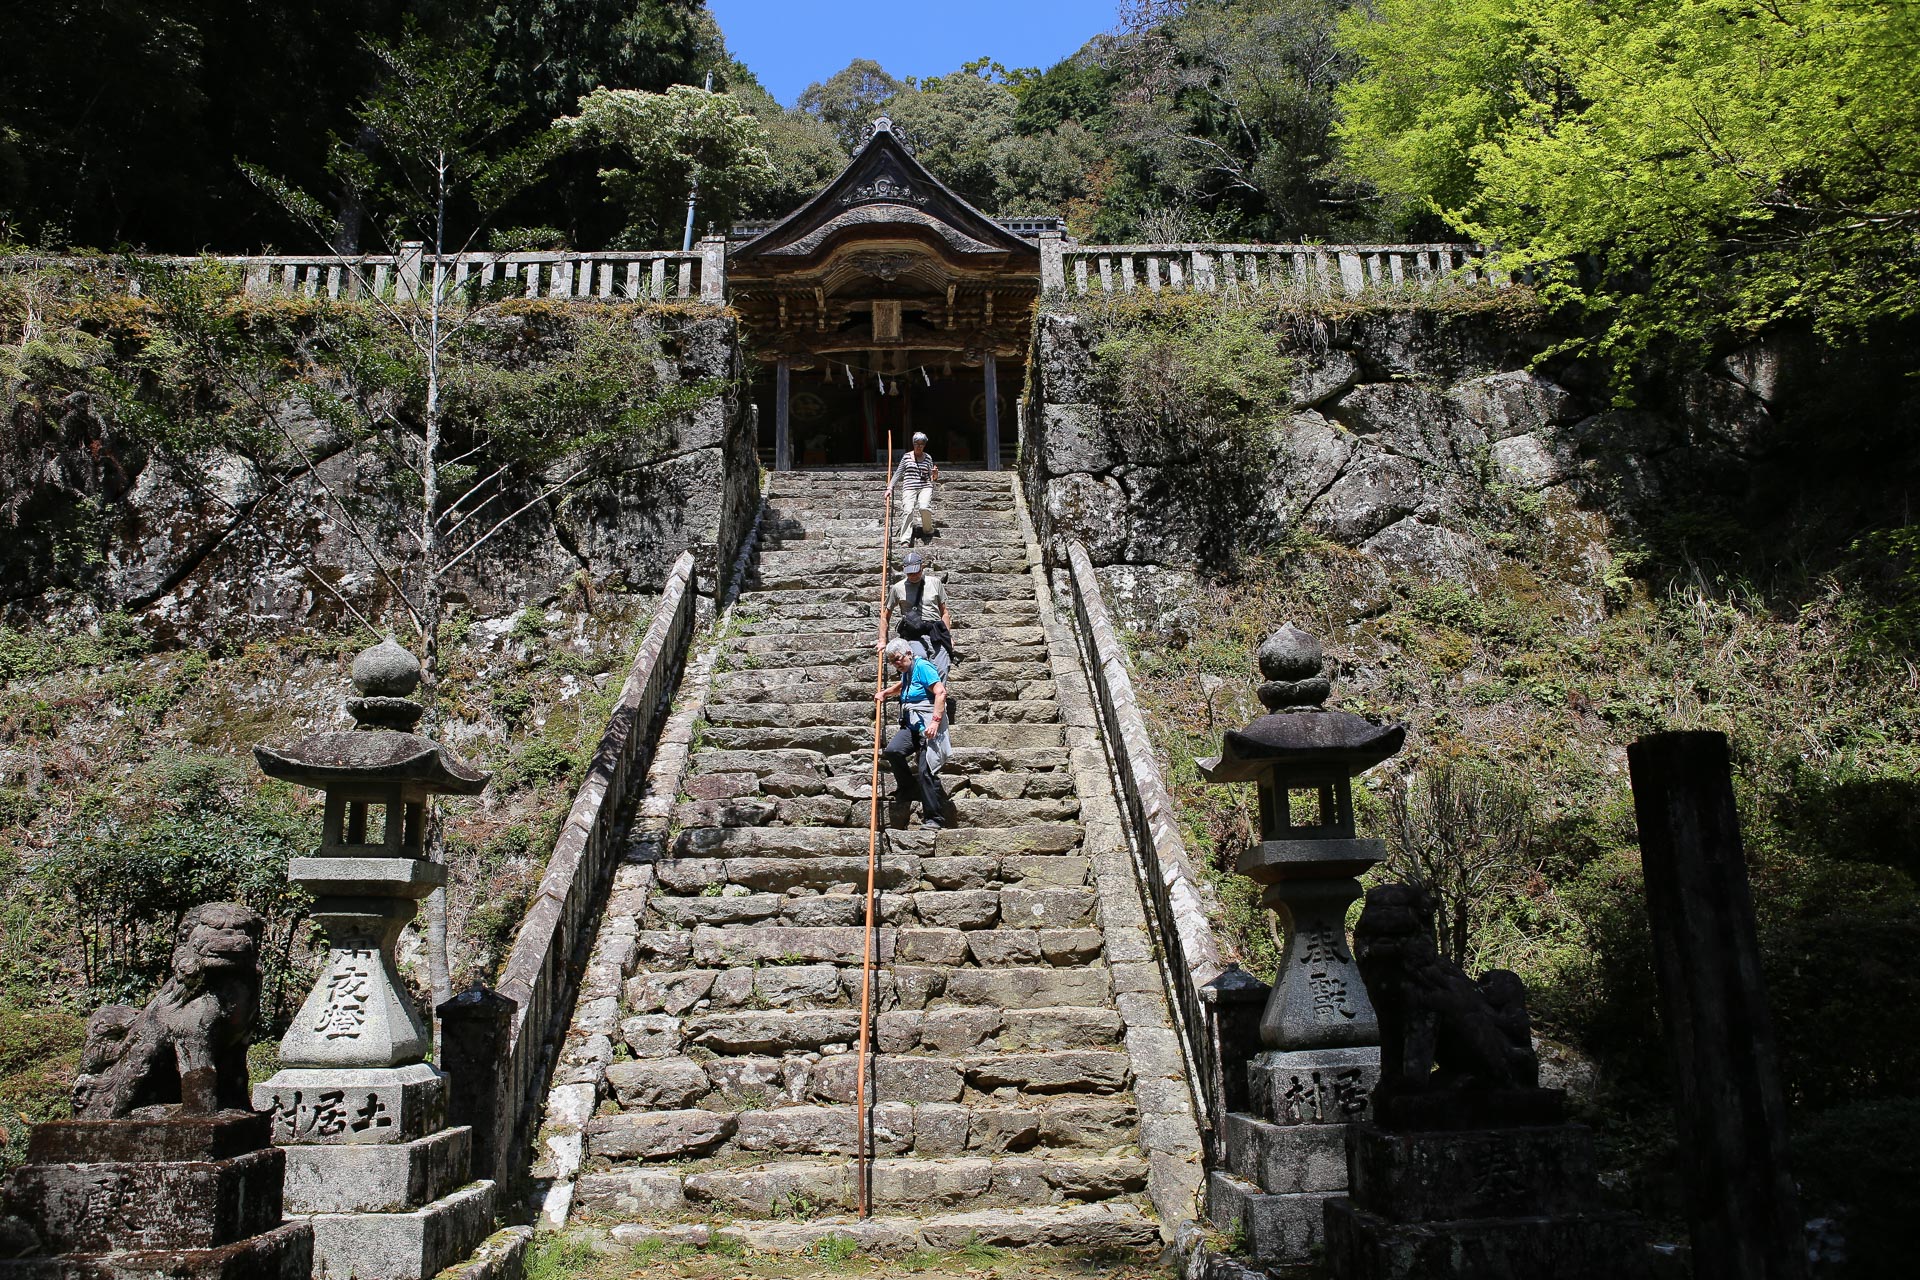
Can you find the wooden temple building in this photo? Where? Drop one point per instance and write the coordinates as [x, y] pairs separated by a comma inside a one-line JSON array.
[[886, 303]]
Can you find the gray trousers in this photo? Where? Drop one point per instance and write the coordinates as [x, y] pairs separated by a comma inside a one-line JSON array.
[[915, 758]]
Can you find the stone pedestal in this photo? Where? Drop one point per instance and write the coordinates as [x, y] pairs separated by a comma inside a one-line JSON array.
[[1477, 1204], [185, 1196], [1287, 1156], [372, 1167]]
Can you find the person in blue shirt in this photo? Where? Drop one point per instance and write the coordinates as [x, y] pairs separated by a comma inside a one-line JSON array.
[[919, 746]]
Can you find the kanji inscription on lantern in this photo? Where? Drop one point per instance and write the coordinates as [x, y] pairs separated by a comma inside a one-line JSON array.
[[301, 1114], [1319, 946], [1329, 998], [349, 988], [373, 1114], [1322, 1097]]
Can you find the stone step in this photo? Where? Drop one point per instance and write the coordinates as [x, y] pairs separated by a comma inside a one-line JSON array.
[[777, 943], [917, 1185], [974, 711], [976, 638], [839, 500], [760, 613], [898, 1128], [845, 875], [855, 657], [827, 811], [841, 739], [758, 685], [964, 760], [803, 782], [829, 842], [805, 525], [957, 560], [1015, 664], [1108, 1226], [963, 591]]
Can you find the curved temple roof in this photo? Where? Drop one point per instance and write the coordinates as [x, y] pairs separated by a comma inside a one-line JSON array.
[[884, 192]]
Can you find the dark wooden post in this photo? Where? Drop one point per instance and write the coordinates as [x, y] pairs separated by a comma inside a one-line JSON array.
[[1742, 1209], [782, 426], [991, 376], [474, 1027]]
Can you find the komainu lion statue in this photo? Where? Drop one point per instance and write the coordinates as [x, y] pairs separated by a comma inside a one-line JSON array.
[[1439, 1029], [189, 1045]]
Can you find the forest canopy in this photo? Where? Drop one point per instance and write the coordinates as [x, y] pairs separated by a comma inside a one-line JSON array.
[[1678, 168]]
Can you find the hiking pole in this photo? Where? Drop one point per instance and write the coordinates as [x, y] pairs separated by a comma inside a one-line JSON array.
[[873, 838]]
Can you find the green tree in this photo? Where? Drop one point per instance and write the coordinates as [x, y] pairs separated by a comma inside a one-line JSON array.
[[1228, 106], [435, 160], [803, 148], [961, 126], [667, 143], [848, 99], [1714, 166]]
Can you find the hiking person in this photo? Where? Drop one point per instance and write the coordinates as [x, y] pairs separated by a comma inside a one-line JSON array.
[[919, 746], [919, 602], [915, 476]]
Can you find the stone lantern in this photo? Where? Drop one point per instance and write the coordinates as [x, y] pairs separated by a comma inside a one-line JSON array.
[[1304, 758], [358, 1108], [1286, 1155]]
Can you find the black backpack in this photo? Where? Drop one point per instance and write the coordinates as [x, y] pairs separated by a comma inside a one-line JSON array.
[[930, 631]]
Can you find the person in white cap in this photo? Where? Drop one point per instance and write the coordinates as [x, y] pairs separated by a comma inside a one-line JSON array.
[[919, 603], [915, 475]]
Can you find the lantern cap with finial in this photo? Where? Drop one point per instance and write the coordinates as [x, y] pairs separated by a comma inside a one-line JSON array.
[[1297, 728], [381, 748]]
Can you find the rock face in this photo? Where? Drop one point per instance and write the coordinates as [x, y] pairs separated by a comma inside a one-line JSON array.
[[1402, 433], [717, 1074], [232, 548]]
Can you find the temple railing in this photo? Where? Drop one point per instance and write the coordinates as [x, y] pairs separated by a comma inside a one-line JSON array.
[[543, 969], [1328, 270], [1190, 953], [411, 274]]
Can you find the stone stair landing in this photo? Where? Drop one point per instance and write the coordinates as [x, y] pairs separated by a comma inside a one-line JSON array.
[[710, 1073]]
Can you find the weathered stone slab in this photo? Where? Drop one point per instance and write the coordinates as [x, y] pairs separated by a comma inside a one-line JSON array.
[[166, 1204], [1029, 988], [384, 1178], [658, 1135], [658, 1083]]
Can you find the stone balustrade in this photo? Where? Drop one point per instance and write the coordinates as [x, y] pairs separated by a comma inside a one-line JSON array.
[[1183, 927], [618, 276], [1327, 270], [544, 964]]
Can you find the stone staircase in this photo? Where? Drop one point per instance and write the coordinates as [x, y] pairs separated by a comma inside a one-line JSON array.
[[715, 1091]]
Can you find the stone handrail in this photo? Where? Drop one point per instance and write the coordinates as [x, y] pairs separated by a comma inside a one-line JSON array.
[[544, 965], [1336, 270], [631, 276], [1191, 952]]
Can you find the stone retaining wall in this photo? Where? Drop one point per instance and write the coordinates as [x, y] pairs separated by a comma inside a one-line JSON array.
[[1403, 430]]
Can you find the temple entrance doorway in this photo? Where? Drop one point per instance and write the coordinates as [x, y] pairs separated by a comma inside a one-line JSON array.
[[833, 424]]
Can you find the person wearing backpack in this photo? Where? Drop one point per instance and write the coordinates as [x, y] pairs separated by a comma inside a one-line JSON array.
[[919, 746], [919, 604]]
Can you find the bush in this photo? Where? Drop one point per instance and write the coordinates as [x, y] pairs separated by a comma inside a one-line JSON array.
[[188, 830], [39, 1052]]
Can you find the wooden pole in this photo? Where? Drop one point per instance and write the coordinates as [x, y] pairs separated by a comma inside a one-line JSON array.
[[873, 844], [1731, 1110]]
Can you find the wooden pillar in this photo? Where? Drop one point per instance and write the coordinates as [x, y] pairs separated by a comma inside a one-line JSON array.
[[1731, 1111], [993, 412], [782, 433]]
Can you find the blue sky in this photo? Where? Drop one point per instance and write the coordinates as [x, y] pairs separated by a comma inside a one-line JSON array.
[[791, 43]]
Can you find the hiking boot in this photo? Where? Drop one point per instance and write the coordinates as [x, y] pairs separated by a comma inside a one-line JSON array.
[[931, 824]]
